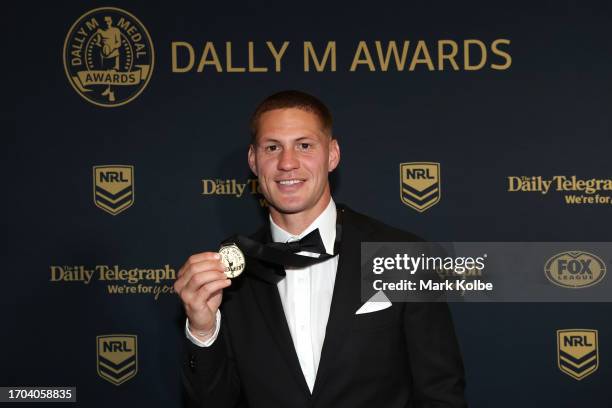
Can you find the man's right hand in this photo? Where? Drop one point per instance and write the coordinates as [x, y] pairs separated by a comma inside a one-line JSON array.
[[200, 283]]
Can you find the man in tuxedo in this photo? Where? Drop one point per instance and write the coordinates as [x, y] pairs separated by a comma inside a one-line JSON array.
[[296, 341]]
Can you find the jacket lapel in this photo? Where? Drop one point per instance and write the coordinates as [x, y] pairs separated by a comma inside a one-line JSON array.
[[346, 299], [268, 299]]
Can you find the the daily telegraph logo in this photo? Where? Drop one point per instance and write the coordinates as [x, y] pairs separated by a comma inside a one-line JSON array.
[[113, 188], [108, 56], [233, 188], [577, 352], [119, 280], [367, 56], [575, 269], [117, 357], [420, 187], [575, 190]]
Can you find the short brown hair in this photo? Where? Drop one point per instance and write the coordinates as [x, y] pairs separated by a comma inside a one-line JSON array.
[[292, 99]]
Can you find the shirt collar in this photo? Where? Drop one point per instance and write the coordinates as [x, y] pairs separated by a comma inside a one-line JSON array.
[[325, 222]]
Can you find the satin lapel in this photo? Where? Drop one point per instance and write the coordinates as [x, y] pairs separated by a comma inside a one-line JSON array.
[[346, 299], [269, 302]]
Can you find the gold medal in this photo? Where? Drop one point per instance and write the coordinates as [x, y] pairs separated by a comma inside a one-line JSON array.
[[233, 260]]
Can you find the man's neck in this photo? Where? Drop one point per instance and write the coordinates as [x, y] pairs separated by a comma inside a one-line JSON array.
[[296, 223]]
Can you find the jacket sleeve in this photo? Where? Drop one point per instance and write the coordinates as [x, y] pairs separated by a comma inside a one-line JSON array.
[[434, 356], [209, 374]]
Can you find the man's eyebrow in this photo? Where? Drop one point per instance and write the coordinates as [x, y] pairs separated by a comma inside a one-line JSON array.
[[306, 137], [268, 139]]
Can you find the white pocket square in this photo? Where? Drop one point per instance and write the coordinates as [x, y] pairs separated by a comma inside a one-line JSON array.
[[378, 302]]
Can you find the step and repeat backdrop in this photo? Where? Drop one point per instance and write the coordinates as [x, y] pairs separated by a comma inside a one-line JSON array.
[[457, 121]]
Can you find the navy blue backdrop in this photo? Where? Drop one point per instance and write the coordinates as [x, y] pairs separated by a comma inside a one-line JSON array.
[[546, 114]]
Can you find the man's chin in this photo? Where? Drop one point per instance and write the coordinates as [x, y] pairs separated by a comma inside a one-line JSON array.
[[288, 207]]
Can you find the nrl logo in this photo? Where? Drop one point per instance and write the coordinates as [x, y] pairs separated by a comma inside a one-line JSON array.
[[577, 352], [117, 357], [420, 184], [113, 188], [108, 56]]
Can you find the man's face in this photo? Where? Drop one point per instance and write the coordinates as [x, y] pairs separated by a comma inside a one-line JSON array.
[[292, 156]]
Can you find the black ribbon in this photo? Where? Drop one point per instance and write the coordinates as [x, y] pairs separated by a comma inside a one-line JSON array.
[[284, 254]]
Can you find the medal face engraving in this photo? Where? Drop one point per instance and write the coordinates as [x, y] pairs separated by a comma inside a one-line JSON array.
[[233, 260]]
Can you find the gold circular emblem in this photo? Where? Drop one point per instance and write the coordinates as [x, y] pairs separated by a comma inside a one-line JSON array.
[[233, 260], [108, 56]]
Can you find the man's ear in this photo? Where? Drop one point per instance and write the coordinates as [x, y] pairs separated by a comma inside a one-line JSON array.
[[334, 155], [251, 159]]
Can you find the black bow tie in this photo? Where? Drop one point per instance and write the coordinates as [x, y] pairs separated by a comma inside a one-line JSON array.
[[311, 242]]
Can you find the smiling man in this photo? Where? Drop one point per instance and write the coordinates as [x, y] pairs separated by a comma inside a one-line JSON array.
[[287, 336], [292, 157]]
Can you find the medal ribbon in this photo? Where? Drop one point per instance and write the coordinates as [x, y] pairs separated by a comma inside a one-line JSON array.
[[283, 254]]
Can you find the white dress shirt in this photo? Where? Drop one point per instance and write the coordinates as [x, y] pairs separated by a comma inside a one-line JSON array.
[[305, 293]]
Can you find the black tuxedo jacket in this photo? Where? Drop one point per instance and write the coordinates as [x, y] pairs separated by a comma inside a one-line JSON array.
[[403, 356]]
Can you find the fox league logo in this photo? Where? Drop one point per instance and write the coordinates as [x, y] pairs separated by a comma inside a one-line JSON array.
[[575, 269], [108, 56], [117, 357], [113, 188], [420, 184]]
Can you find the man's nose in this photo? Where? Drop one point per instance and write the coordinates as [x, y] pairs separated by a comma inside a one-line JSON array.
[[288, 160]]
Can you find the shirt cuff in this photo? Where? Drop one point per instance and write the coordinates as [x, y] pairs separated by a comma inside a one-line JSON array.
[[212, 338]]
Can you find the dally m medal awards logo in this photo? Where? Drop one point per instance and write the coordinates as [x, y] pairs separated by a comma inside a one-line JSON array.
[[108, 56], [577, 352], [420, 187], [113, 188], [117, 357]]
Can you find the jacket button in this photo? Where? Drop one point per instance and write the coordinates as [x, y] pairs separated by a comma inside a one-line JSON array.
[[192, 363]]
